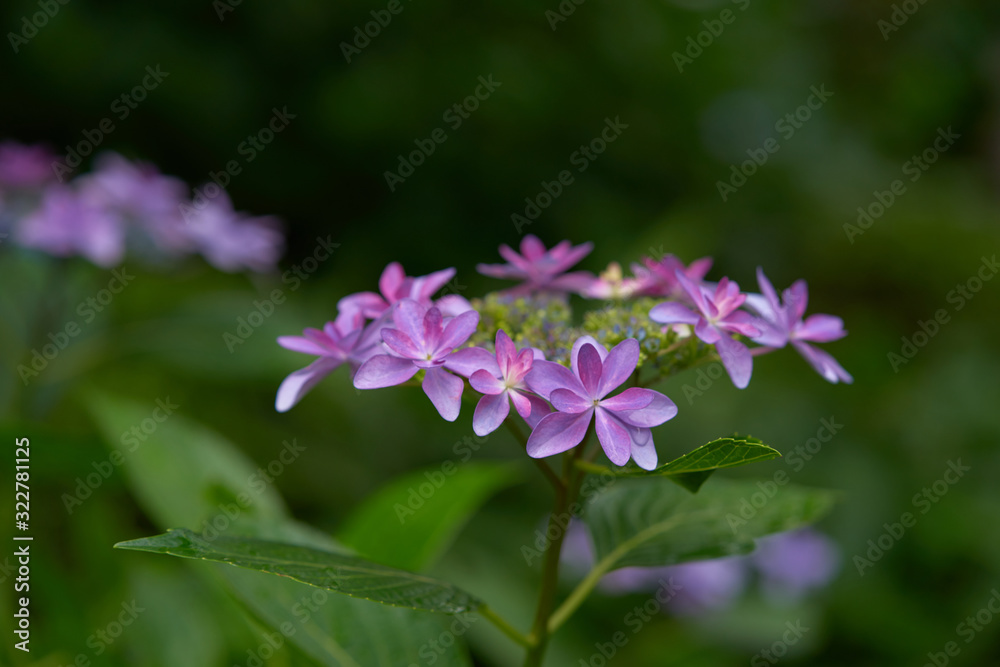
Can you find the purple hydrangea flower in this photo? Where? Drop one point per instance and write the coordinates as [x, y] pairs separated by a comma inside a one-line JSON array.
[[344, 340], [231, 241], [794, 563], [541, 270], [70, 223], [716, 318], [24, 166], [502, 383], [706, 585], [423, 339], [782, 323], [395, 286], [611, 284], [579, 395]]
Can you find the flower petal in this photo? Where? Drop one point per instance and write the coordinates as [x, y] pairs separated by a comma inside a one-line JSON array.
[[737, 360], [297, 384], [468, 360], [557, 432], [486, 383], [367, 304], [383, 370], [425, 286], [457, 331], [824, 364], [821, 329], [614, 437], [659, 410], [589, 369], [671, 312], [400, 343], [575, 352], [301, 344], [618, 366], [565, 400], [490, 413], [432, 330], [642, 449], [506, 352], [451, 305], [633, 398], [408, 316], [391, 280], [445, 392], [537, 407], [546, 376]]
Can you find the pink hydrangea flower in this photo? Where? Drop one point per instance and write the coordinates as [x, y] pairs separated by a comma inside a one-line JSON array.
[[502, 383], [394, 286], [541, 270]]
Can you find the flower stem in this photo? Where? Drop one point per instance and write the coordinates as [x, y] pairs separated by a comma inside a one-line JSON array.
[[558, 520], [554, 479], [504, 626]]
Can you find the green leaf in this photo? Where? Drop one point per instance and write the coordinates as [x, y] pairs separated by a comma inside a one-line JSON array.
[[695, 467], [336, 572], [647, 523], [184, 474], [412, 520]]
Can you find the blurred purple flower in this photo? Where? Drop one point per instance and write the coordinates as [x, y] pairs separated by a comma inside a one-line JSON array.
[[794, 563], [345, 340], [143, 197], [782, 323], [394, 285], [502, 383], [541, 270], [24, 166], [231, 241], [707, 585], [423, 339], [716, 318], [69, 223], [611, 284], [579, 395], [660, 277]]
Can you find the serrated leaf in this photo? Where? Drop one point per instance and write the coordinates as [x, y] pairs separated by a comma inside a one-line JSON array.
[[412, 520], [695, 467], [335, 572], [647, 523]]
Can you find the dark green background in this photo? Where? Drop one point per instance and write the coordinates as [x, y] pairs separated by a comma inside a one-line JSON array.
[[654, 189]]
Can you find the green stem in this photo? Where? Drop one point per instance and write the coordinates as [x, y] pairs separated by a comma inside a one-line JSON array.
[[565, 497], [550, 475], [504, 626]]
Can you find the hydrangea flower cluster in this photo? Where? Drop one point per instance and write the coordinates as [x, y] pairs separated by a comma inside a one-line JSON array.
[[519, 347], [124, 206]]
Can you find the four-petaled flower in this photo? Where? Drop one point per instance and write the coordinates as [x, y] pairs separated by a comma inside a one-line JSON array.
[[718, 317], [503, 379], [344, 340], [580, 396], [423, 339], [539, 268], [782, 323]]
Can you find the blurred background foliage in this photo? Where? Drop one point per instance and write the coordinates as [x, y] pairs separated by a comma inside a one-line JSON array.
[[653, 190]]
